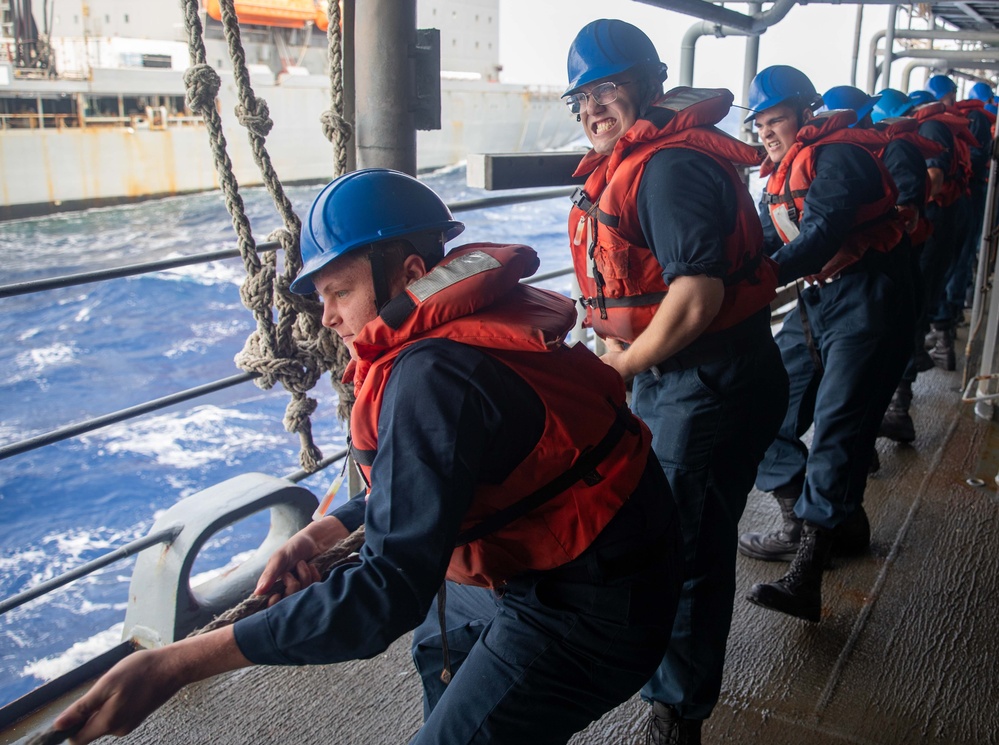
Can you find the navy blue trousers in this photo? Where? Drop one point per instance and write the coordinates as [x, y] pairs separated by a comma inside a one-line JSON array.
[[540, 659], [862, 328], [710, 427], [958, 278]]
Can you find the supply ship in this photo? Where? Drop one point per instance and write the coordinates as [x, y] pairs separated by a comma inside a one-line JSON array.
[[93, 110]]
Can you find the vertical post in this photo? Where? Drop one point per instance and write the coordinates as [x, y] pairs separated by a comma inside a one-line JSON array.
[[984, 409], [749, 65], [856, 45], [385, 37], [889, 47], [347, 16]]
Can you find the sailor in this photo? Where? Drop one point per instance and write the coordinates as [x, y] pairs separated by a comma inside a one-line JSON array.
[[949, 210], [831, 223], [667, 251], [496, 455], [904, 154], [950, 310]]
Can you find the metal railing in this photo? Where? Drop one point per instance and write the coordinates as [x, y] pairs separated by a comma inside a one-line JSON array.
[[167, 535], [72, 430]]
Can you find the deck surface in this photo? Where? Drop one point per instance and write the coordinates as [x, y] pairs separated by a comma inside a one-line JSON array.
[[906, 651]]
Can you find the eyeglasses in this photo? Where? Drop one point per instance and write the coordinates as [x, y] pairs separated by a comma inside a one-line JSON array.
[[602, 95]]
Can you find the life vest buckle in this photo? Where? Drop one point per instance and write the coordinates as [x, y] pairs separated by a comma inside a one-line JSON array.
[[581, 200]]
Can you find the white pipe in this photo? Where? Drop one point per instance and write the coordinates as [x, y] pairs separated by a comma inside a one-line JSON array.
[[889, 47], [872, 62]]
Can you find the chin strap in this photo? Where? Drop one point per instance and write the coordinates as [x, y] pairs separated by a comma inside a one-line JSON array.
[[379, 279]]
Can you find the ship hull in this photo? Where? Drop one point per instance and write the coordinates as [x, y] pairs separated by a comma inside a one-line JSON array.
[[45, 170]]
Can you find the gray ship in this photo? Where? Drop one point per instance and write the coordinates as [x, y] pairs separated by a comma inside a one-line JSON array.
[[93, 110]]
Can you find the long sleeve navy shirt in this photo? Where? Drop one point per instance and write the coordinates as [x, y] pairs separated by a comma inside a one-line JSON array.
[[908, 170], [981, 128], [452, 417], [939, 133], [686, 208], [846, 177]]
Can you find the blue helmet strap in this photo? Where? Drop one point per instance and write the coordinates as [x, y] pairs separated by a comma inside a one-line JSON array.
[[379, 278]]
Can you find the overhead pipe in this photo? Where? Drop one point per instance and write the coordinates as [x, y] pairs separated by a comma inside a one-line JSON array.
[[695, 32], [759, 22], [723, 16], [942, 64], [873, 67]]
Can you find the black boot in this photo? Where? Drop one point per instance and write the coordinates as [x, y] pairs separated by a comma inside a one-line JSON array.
[[852, 536], [799, 592], [780, 545], [666, 727], [942, 353], [896, 424]]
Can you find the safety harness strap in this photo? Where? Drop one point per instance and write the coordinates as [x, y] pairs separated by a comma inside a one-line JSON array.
[[585, 467]]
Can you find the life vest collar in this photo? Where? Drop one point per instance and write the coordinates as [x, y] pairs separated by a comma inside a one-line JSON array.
[[494, 269], [817, 128]]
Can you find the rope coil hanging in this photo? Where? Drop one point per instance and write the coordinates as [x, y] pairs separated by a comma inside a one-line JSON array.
[[296, 349]]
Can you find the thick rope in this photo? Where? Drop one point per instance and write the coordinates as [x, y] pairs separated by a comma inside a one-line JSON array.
[[325, 562], [335, 127], [297, 350]]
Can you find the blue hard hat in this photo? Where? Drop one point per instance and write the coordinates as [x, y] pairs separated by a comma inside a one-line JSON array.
[[849, 97], [992, 107], [607, 47], [940, 86], [981, 92], [777, 84], [891, 103], [365, 207], [918, 98]]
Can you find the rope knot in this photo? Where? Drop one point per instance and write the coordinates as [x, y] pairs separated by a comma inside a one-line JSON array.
[[256, 292], [203, 85], [333, 124], [258, 121]]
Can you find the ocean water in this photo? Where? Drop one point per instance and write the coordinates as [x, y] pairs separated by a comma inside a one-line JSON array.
[[71, 354]]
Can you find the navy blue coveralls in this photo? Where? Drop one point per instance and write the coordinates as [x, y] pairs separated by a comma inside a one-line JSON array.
[[861, 329], [533, 663], [950, 230], [907, 167], [713, 409], [952, 302]]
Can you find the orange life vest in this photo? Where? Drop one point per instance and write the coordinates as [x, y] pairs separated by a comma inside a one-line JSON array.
[[958, 178], [618, 274], [592, 452], [906, 128], [965, 108], [876, 226], [973, 104]]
